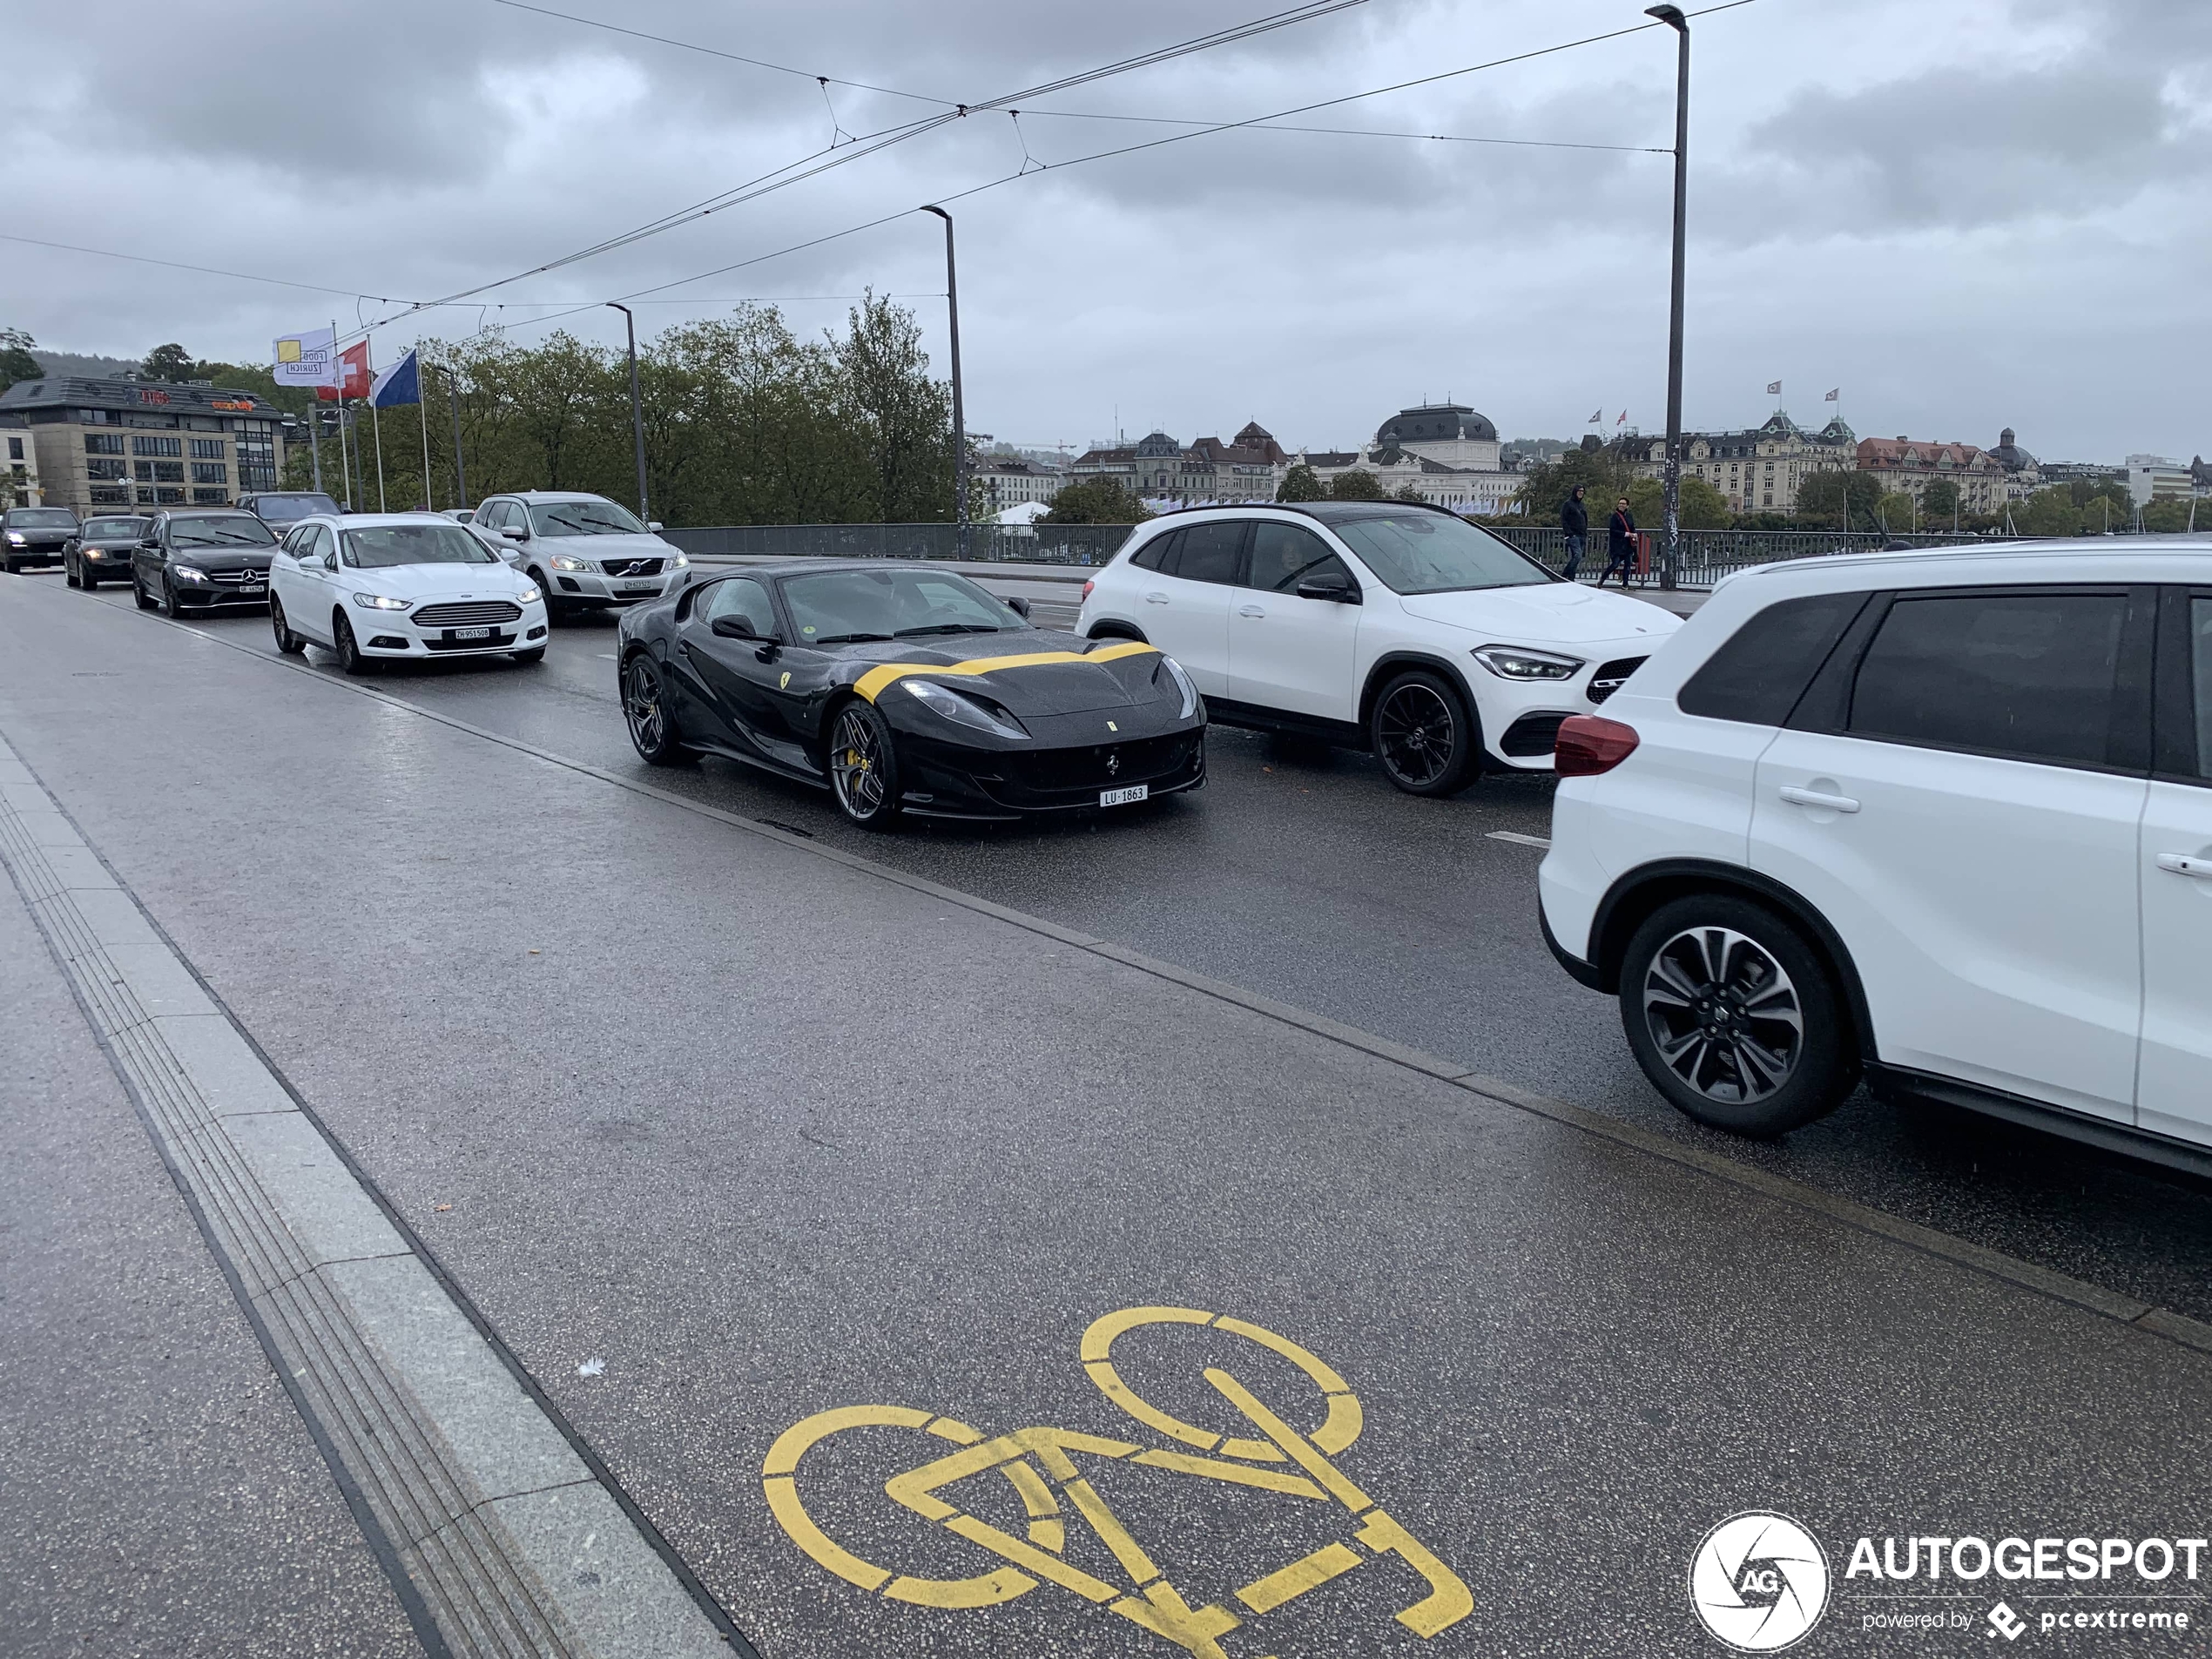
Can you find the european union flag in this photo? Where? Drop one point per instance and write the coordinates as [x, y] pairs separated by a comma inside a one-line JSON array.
[[401, 383]]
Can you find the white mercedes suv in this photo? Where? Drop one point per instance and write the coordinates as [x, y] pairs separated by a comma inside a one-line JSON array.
[[1941, 819], [584, 552], [1383, 625]]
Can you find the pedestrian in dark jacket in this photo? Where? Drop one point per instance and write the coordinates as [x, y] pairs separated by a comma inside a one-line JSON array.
[[1574, 520], [1620, 543]]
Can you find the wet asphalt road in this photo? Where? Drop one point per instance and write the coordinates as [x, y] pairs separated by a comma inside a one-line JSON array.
[[769, 1136], [1300, 874]]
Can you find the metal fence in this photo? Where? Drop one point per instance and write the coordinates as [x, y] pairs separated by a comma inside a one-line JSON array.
[[985, 543], [1707, 555]]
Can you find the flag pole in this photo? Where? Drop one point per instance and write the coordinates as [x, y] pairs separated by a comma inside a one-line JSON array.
[[423, 418], [375, 426], [460, 465], [345, 459]]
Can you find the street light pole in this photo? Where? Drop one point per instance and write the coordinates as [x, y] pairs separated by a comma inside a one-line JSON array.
[[636, 409], [1671, 565], [959, 415]]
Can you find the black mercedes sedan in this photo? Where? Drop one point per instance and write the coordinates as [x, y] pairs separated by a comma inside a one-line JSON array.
[[34, 536], [195, 558], [904, 689], [102, 549]]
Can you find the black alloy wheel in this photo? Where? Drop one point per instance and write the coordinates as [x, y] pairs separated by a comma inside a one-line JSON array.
[[14, 565], [1735, 1017], [139, 592], [171, 606], [349, 654], [1423, 732], [652, 725], [864, 767], [87, 577], [545, 596], [287, 642], [69, 570]]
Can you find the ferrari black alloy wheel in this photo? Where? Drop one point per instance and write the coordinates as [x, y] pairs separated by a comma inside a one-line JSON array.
[[644, 707], [1424, 735], [864, 770]]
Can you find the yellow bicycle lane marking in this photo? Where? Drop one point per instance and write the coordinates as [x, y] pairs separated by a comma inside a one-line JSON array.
[[1039, 1464]]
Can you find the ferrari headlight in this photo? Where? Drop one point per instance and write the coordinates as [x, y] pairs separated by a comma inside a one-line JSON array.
[[528, 596], [564, 562], [1173, 669], [1514, 663], [379, 602], [964, 710]]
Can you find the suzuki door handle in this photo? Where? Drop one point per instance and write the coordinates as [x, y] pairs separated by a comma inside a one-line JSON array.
[[1156, 598], [1797, 797], [1251, 611], [2180, 864]]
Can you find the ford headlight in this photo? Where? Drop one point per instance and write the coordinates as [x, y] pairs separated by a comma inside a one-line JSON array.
[[965, 710], [1183, 684], [528, 596], [565, 562], [1514, 663], [379, 602]]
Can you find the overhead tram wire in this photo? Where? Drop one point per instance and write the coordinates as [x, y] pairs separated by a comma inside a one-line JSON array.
[[1354, 132], [845, 154], [204, 270]]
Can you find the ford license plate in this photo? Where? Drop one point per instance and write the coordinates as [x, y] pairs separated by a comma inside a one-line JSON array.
[[1124, 796], [467, 633]]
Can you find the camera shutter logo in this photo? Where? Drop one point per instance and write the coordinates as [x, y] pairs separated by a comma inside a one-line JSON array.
[[1759, 1581]]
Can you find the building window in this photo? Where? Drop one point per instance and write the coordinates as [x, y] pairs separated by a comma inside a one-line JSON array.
[[160, 472], [15, 448], [212, 497], [103, 443], [169, 498], [97, 417], [206, 448], [157, 446], [209, 472], [110, 495], [107, 471]]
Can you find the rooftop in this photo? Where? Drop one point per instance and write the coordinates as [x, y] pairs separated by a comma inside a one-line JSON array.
[[85, 392]]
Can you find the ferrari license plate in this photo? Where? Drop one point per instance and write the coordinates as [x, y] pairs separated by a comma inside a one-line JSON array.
[[1124, 796], [467, 633]]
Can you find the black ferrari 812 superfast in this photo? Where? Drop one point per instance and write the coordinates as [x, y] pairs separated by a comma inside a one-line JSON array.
[[904, 689]]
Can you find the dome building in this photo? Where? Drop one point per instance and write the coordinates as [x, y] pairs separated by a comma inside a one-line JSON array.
[[1450, 434]]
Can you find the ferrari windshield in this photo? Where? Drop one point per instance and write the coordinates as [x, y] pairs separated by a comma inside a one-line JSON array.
[[838, 607], [386, 545], [1436, 553], [233, 530], [582, 518]]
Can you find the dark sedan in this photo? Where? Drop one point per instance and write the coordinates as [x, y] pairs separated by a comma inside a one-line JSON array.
[[196, 559], [34, 536], [102, 549], [904, 689]]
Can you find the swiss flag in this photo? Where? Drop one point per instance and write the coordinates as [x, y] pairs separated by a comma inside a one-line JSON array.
[[352, 374]]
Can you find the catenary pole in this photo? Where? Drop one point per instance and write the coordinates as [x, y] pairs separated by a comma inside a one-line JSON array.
[[960, 414], [636, 409], [1670, 564]]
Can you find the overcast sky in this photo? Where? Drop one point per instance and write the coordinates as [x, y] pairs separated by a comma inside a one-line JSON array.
[[1968, 216]]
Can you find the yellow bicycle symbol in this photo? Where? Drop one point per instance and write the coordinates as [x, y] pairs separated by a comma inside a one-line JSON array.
[[1038, 1464]]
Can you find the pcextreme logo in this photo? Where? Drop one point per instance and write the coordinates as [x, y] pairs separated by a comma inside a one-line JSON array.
[[1759, 1581]]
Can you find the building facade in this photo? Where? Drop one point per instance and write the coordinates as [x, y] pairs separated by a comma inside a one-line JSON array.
[[2157, 478], [1444, 454], [1908, 467], [1759, 469], [23, 488], [2023, 472], [1160, 471], [1000, 481], [110, 444]]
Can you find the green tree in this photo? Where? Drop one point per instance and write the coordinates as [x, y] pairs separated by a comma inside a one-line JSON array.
[[1096, 501], [1701, 506], [1822, 497], [1407, 492], [16, 362], [1898, 512], [1603, 475], [2048, 512], [1301, 482], [172, 363], [902, 416], [1356, 484], [1939, 502], [2169, 513]]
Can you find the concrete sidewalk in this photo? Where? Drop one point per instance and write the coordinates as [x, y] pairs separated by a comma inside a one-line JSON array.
[[769, 1134]]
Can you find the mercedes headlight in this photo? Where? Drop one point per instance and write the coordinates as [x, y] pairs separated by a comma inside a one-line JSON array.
[[1514, 663], [566, 562], [965, 710], [528, 596], [1173, 669], [381, 601], [190, 573]]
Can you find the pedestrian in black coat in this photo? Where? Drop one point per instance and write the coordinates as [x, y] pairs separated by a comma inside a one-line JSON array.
[[1620, 543], [1574, 520]]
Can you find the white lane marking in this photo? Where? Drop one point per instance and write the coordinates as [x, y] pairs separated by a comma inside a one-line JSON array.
[[606, 656], [1518, 839]]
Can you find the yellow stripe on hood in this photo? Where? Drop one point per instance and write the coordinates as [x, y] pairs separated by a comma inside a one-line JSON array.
[[877, 678]]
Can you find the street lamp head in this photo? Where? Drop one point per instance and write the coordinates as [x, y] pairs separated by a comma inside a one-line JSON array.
[[1671, 16], [940, 212]]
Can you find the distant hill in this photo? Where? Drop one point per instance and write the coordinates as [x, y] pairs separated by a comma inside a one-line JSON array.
[[68, 362]]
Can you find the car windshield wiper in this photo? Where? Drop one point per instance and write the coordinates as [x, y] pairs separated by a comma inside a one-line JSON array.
[[949, 628], [847, 639]]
